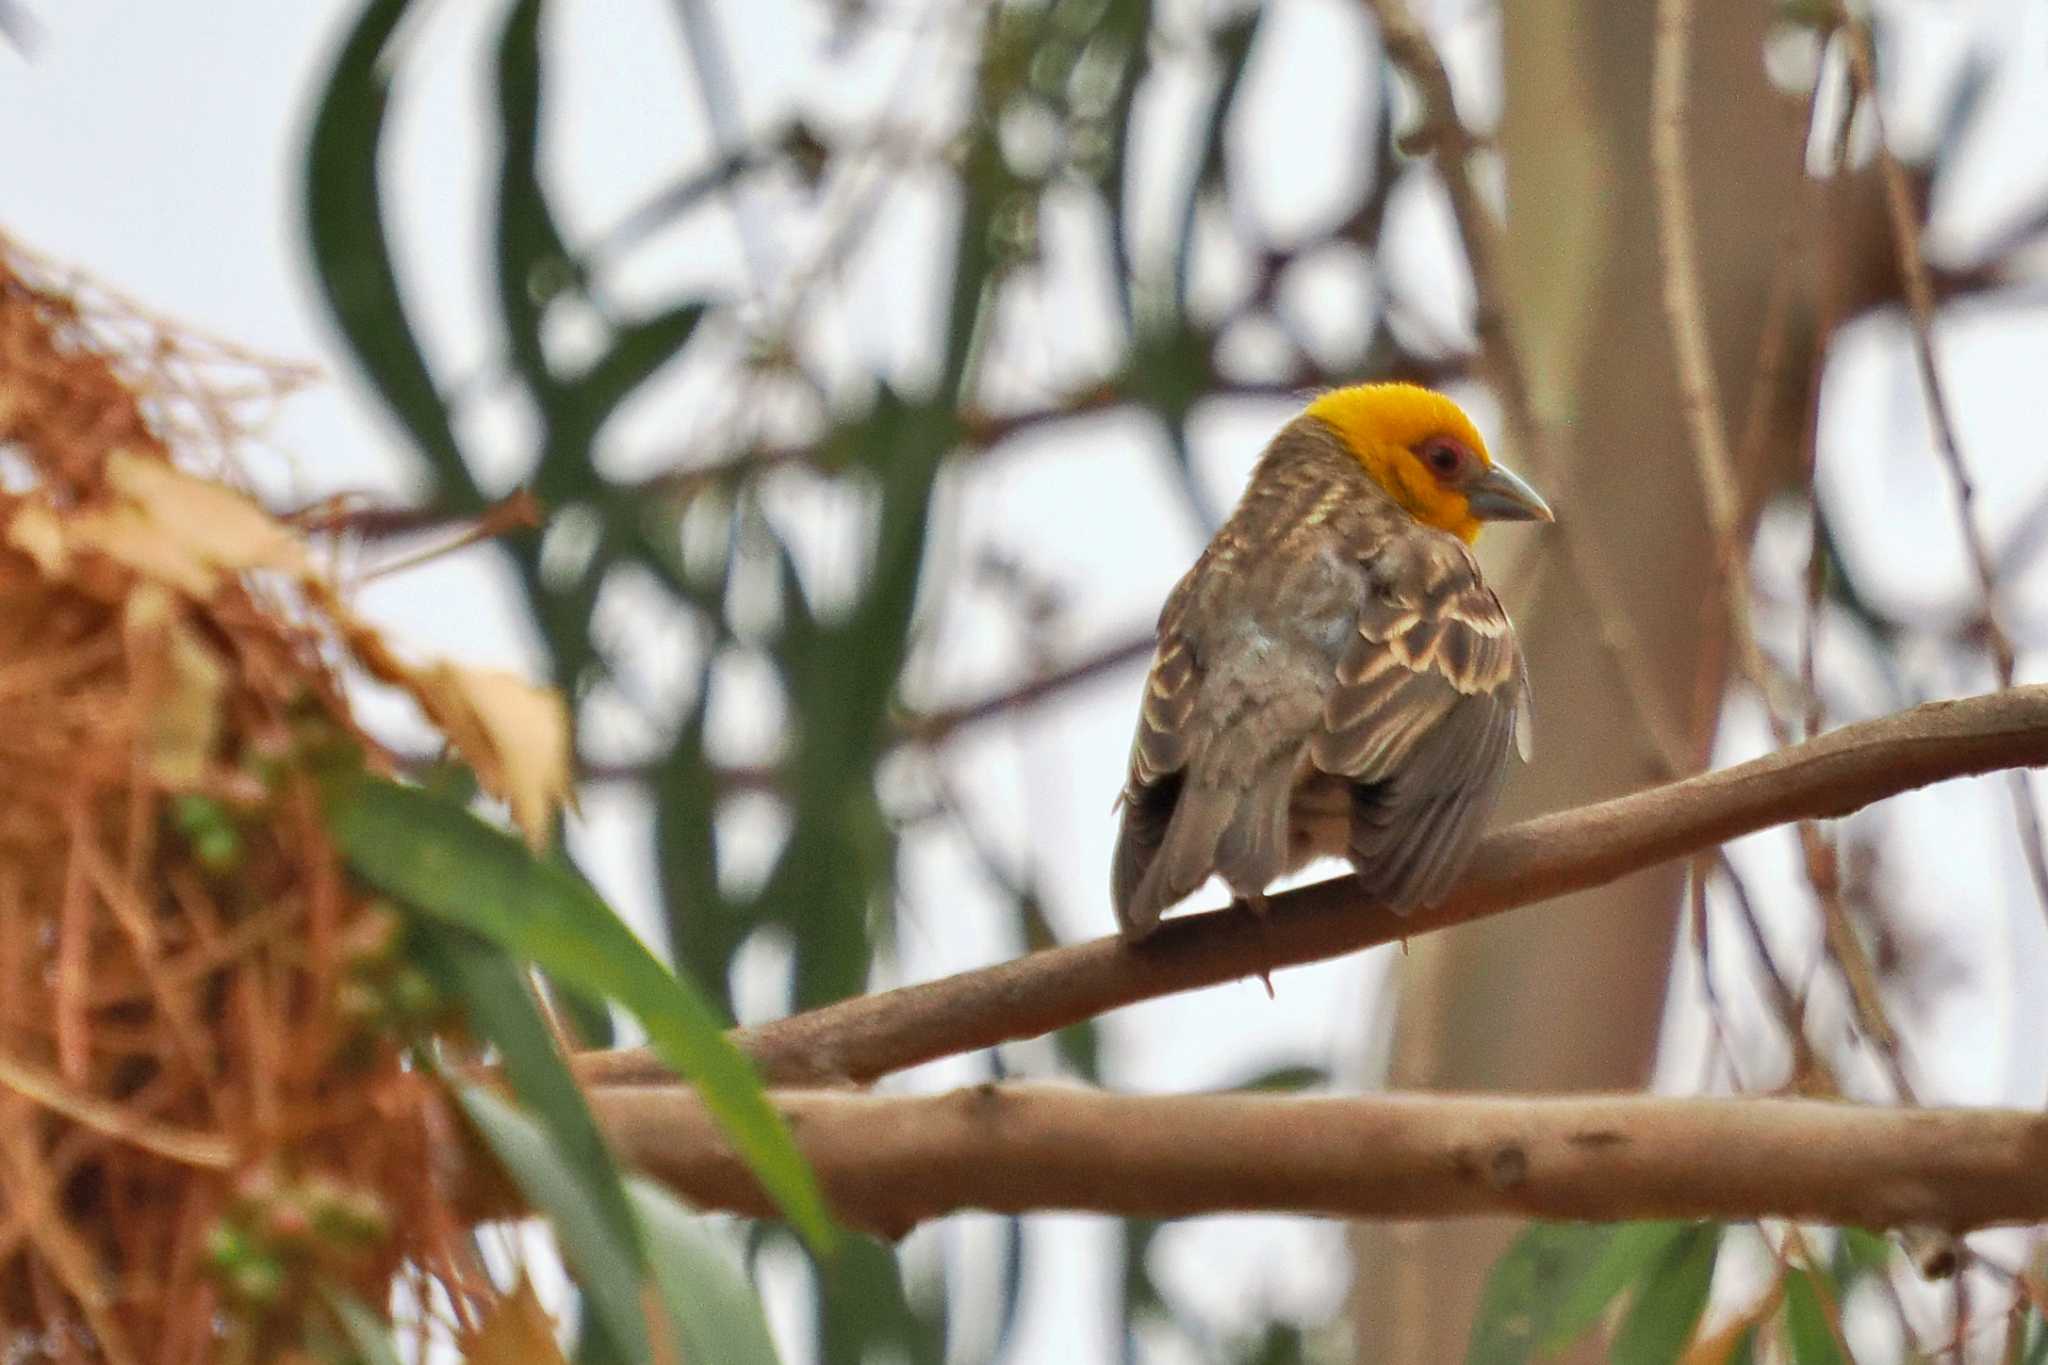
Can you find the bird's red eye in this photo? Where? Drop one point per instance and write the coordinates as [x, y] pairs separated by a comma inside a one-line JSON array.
[[1446, 459]]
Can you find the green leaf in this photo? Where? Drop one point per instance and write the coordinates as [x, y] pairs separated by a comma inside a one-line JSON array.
[[1286, 1079], [2037, 1340], [637, 351], [1806, 1322], [366, 1330], [351, 254], [607, 1264], [1009, 1286], [1141, 1297], [1668, 1306], [587, 1020], [713, 1312], [1526, 1287], [1629, 1254], [1232, 47], [594, 1347], [704, 931], [533, 263], [1278, 1343], [1858, 1252], [450, 864], [502, 1010], [863, 1313]]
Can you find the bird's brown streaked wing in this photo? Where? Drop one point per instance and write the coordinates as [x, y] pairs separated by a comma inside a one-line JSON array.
[[1421, 718], [1159, 753]]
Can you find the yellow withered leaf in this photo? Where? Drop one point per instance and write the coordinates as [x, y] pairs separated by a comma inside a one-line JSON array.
[[180, 532], [514, 735], [167, 526], [209, 522], [181, 686]]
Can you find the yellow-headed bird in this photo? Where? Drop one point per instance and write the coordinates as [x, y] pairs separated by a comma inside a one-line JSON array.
[[1333, 677]]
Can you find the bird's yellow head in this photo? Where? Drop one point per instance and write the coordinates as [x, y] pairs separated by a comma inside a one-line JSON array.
[[1424, 451]]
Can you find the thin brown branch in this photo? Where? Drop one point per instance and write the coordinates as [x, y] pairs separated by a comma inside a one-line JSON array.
[[1842, 771], [1919, 287], [1714, 459], [1445, 135], [933, 727], [891, 1162], [1684, 312]]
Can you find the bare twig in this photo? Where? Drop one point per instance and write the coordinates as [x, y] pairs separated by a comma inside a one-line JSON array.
[[891, 1162], [933, 727], [1699, 393], [1706, 425], [1919, 287], [1809, 1068], [860, 1039], [1444, 133], [1684, 312]]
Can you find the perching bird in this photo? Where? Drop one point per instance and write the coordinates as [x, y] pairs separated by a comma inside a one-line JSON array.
[[1333, 677]]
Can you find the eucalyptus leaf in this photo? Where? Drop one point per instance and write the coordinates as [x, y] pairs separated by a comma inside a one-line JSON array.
[[501, 1010], [533, 262], [1632, 1250], [1526, 1287], [712, 1310], [1667, 1307], [607, 1263], [367, 1332], [344, 208], [1807, 1330], [447, 862]]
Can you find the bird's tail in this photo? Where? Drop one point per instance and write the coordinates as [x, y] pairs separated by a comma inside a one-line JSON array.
[[1148, 880]]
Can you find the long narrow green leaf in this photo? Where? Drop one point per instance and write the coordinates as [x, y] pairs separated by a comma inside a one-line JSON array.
[[1232, 41], [863, 1312], [501, 1010], [637, 351], [1631, 1252], [1528, 1284], [368, 1334], [713, 1311], [2037, 1340], [607, 1266], [1806, 1323], [1668, 1306], [447, 862], [1859, 1252], [532, 261], [351, 253]]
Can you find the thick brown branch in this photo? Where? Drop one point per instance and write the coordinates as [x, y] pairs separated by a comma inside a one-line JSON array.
[[891, 1162], [860, 1039]]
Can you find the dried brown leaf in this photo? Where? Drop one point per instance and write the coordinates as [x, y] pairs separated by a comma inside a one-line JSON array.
[[514, 734], [517, 1331]]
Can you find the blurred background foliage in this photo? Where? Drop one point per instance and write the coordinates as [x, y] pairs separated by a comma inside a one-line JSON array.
[[1064, 208]]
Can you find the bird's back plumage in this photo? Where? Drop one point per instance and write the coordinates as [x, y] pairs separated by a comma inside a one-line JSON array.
[[1332, 677]]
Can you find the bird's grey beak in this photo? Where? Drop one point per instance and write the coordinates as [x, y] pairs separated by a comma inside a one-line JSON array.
[[1499, 495]]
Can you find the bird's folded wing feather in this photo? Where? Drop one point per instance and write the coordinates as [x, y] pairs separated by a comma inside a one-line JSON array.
[[1421, 717], [1158, 755]]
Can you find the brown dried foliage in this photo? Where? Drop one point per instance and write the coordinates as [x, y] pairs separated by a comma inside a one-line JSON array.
[[175, 1041]]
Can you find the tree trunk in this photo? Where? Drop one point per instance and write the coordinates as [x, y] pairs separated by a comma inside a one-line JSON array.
[[1571, 998]]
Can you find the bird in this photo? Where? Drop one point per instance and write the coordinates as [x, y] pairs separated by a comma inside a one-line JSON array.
[[1333, 677]]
